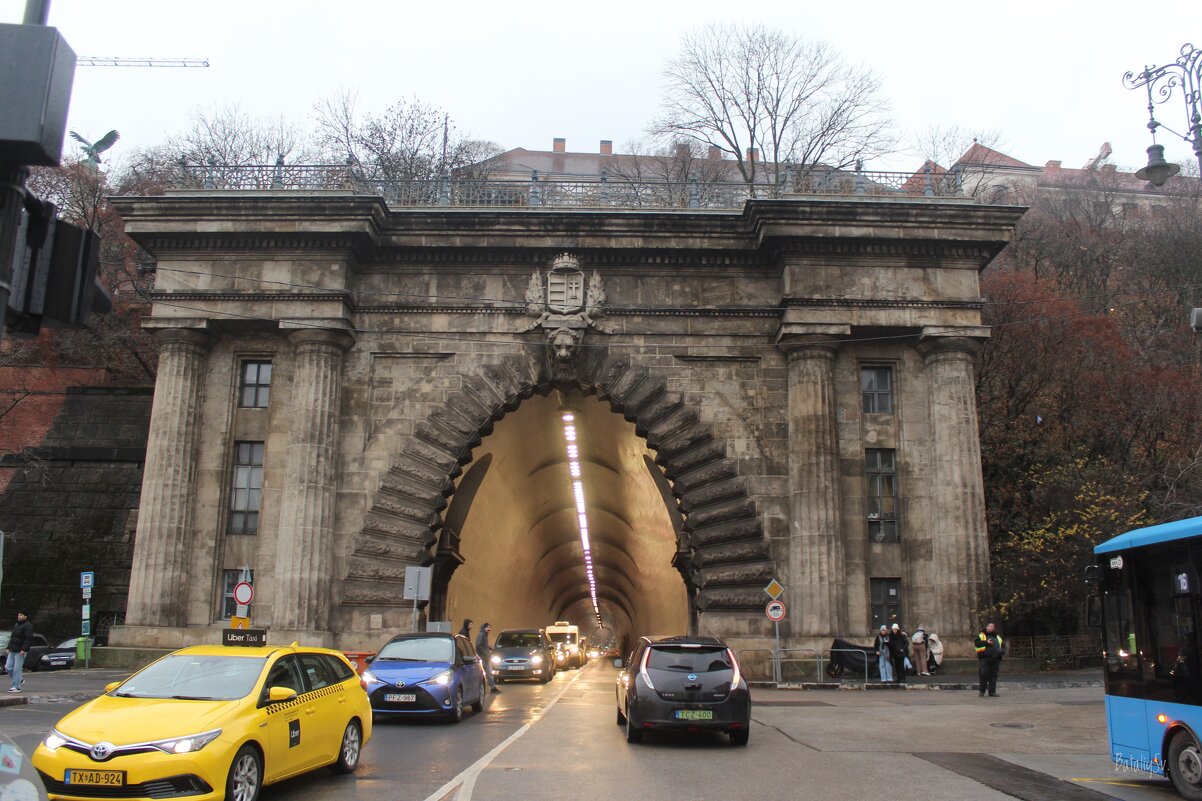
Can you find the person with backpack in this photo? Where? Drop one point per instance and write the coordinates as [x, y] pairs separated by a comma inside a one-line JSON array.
[[918, 652], [899, 649]]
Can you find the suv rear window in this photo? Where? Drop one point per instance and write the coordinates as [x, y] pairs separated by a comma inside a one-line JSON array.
[[705, 659]]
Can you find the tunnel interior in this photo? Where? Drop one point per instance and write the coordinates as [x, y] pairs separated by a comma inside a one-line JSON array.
[[514, 514]]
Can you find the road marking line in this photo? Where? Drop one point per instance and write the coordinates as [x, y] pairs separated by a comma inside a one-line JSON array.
[[466, 780]]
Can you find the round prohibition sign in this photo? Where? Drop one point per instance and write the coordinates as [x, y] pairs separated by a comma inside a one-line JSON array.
[[775, 610], [244, 593]]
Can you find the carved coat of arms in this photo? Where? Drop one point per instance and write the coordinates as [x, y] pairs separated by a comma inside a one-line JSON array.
[[565, 304]]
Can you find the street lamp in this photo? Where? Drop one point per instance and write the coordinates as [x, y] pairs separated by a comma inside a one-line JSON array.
[[1185, 72]]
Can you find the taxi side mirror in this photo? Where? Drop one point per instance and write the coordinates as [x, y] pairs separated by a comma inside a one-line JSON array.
[[112, 685], [278, 694]]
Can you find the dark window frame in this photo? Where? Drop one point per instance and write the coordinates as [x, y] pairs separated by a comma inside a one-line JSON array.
[[876, 399], [884, 609], [254, 388], [881, 495], [246, 488]]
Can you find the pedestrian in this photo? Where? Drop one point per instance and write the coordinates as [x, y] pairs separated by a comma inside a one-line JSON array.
[[899, 648], [990, 650], [918, 652], [884, 659], [466, 630], [18, 645], [484, 651]]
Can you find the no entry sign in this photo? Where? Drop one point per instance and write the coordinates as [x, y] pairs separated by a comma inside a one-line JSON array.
[[775, 610], [244, 593]]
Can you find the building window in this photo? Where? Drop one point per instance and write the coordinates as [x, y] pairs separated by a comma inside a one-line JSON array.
[[881, 493], [228, 579], [256, 385], [876, 387], [247, 489], [886, 602]]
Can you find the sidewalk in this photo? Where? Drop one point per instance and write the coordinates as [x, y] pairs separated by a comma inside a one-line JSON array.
[[77, 684], [955, 680]]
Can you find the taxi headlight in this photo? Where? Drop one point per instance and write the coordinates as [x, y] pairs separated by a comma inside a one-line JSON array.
[[537, 659], [54, 740], [496, 660], [442, 679], [186, 745]]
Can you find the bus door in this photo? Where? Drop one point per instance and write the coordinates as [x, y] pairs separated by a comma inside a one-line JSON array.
[[1125, 704]]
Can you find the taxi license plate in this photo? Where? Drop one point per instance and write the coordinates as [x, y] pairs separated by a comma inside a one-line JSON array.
[[694, 714], [107, 778], [400, 698]]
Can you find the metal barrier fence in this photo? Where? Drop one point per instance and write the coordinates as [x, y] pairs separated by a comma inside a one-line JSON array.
[[851, 676], [567, 191], [1058, 650]]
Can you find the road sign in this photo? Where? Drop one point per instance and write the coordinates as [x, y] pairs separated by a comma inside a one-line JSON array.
[[774, 589], [244, 593], [86, 628], [87, 579], [775, 610], [417, 583], [87, 593]]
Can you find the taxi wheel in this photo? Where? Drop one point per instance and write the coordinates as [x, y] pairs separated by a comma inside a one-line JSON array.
[[246, 775], [349, 751]]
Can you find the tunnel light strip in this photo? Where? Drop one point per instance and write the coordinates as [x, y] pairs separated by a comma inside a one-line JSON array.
[[569, 435]]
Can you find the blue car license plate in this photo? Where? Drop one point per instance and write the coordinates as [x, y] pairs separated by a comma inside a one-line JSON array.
[[694, 714]]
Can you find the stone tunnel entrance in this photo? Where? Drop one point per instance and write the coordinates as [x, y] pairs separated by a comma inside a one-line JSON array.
[[515, 518]]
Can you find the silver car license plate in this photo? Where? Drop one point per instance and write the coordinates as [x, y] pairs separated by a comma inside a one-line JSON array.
[[400, 698]]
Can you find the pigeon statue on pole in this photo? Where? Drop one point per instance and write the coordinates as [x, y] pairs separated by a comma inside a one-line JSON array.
[[93, 149]]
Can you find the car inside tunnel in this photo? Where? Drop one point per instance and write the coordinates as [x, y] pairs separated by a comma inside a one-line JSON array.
[[516, 515]]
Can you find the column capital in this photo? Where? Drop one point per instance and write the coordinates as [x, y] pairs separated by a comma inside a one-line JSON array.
[[942, 342], [812, 339], [331, 337], [198, 338]]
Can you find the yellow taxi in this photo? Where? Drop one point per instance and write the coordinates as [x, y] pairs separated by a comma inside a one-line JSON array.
[[210, 722]]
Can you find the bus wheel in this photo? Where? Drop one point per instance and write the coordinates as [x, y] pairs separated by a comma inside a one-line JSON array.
[[1185, 766]]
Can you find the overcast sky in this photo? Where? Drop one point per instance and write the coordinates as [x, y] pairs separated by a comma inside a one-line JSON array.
[[1046, 75]]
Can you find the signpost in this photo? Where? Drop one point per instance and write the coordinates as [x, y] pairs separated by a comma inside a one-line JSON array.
[[417, 587], [83, 646], [244, 593], [775, 610]]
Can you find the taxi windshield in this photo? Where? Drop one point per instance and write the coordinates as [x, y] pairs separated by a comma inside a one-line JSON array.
[[195, 678], [418, 649]]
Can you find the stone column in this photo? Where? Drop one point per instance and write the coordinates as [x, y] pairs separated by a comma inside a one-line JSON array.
[[159, 574], [959, 566], [304, 550], [816, 561]]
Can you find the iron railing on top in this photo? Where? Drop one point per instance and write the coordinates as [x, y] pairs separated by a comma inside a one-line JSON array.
[[568, 192]]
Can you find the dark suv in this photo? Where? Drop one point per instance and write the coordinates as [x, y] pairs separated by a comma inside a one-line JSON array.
[[690, 683]]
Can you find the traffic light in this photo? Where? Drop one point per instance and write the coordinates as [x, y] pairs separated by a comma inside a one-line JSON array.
[[54, 274]]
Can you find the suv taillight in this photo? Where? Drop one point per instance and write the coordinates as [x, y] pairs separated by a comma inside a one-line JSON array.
[[734, 679], [643, 668]]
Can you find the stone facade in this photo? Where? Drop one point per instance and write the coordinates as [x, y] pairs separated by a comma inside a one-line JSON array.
[[730, 344]]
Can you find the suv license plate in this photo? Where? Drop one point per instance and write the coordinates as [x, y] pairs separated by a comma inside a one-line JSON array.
[[108, 778], [694, 714], [400, 698], [515, 667]]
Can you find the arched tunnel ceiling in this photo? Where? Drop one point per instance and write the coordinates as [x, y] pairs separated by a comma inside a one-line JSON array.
[[523, 559]]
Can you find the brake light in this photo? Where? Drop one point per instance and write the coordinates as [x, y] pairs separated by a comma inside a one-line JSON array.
[[734, 680], [643, 668]]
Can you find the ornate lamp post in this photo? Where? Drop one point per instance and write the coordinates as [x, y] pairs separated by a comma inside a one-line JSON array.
[[1185, 72]]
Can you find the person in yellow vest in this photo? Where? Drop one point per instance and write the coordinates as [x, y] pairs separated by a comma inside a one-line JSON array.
[[990, 650]]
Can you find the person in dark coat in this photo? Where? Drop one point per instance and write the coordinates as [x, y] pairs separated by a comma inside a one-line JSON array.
[[990, 650], [18, 645], [899, 649], [466, 629], [484, 651]]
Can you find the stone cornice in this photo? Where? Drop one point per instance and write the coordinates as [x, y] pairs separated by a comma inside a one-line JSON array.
[[872, 303]]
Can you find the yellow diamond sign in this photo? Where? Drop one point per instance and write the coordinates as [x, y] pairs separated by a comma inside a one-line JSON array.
[[774, 589]]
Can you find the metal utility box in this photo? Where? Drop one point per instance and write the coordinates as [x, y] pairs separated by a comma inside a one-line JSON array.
[[37, 67]]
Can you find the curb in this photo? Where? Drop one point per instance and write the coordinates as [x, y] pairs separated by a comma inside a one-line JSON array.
[[884, 687], [13, 700]]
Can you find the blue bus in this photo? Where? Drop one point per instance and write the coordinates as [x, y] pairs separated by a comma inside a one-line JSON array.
[[1149, 604]]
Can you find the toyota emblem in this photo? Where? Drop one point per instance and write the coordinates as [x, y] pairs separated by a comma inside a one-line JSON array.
[[692, 677], [101, 751], [400, 684]]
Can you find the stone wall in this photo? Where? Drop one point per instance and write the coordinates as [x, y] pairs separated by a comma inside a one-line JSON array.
[[71, 505]]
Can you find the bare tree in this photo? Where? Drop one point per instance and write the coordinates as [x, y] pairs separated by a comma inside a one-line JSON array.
[[769, 100], [665, 176], [230, 137], [411, 140]]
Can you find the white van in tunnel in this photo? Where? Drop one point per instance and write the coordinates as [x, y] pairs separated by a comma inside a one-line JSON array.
[[567, 637]]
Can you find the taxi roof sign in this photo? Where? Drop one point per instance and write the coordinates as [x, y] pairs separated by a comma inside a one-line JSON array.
[[774, 589]]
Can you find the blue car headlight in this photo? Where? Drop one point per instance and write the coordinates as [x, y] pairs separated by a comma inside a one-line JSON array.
[[442, 679]]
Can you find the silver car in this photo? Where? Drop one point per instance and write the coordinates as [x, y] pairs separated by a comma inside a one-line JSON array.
[[522, 654]]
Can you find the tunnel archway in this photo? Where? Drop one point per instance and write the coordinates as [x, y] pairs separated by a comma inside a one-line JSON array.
[[712, 543]]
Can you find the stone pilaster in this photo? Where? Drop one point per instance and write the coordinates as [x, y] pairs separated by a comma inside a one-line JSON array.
[[160, 571], [304, 549], [816, 554], [959, 568]]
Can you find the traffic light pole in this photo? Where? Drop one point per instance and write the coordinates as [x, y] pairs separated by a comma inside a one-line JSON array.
[[12, 199]]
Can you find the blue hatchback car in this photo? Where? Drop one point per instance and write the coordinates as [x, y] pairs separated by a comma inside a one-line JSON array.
[[430, 674]]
